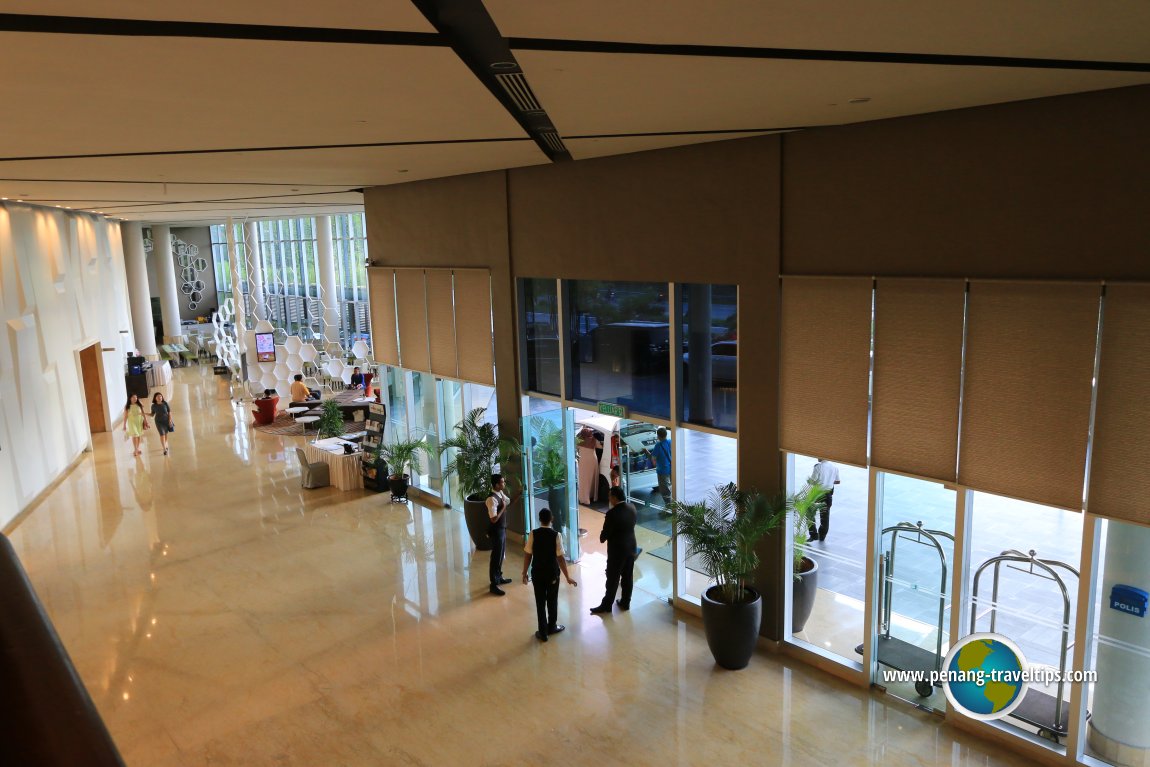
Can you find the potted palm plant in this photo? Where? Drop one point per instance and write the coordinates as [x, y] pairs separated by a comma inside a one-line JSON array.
[[805, 504], [401, 456], [722, 532], [477, 449], [330, 422]]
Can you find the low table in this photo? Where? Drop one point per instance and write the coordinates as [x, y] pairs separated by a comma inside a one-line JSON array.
[[306, 419], [294, 411]]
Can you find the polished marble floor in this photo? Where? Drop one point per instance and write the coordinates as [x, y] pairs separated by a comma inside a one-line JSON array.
[[221, 615]]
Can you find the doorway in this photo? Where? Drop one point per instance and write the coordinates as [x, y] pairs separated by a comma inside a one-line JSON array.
[[92, 380], [609, 450]]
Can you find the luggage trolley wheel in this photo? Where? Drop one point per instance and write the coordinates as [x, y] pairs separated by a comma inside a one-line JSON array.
[[923, 688]]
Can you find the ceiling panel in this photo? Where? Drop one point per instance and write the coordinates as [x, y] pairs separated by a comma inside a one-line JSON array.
[[591, 94], [1116, 30], [395, 15], [349, 168], [85, 94], [585, 149]]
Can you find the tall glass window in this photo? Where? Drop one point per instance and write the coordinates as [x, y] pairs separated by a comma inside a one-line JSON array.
[[706, 461], [619, 341], [1023, 583], [425, 426], [289, 262], [710, 354], [539, 327]]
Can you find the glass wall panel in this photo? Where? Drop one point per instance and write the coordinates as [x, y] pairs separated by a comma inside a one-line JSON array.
[[539, 324], [425, 426], [549, 469], [619, 344], [451, 400], [1119, 651], [710, 354], [915, 564], [1022, 583], [707, 461], [396, 398], [828, 601]]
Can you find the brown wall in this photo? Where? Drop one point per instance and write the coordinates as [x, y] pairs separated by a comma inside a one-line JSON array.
[[455, 222], [705, 213], [1053, 188]]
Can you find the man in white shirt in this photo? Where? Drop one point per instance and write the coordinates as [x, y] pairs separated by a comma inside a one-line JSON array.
[[497, 504], [825, 474]]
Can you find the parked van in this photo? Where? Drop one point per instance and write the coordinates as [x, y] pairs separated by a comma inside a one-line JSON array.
[[626, 446]]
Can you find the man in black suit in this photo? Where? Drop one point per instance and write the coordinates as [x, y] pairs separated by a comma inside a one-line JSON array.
[[545, 556], [619, 534]]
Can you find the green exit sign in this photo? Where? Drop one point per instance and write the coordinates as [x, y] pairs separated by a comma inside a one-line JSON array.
[[610, 408]]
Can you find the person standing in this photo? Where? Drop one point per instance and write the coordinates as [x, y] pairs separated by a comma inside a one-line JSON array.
[[162, 415], [662, 455], [497, 505], [619, 535], [825, 474], [544, 554], [135, 421]]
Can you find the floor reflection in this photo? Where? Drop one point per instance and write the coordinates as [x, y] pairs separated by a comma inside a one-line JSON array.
[[220, 614]]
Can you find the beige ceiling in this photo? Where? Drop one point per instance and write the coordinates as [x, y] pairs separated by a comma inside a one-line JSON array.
[[66, 94], [394, 15], [1112, 30]]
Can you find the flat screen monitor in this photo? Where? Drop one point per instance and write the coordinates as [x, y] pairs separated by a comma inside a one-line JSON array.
[[265, 347]]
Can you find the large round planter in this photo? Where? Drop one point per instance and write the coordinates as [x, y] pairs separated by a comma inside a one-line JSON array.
[[732, 630], [557, 502], [398, 486], [478, 523], [805, 588]]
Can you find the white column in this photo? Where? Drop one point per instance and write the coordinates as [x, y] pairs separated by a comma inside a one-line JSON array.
[[237, 294], [1122, 693], [330, 294], [139, 296], [255, 269], [166, 277]]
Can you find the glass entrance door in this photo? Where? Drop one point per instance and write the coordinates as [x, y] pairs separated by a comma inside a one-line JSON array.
[[549, 474], [914, 555]]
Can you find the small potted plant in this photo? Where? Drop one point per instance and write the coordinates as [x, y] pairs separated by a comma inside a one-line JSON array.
[[402, 456], [477, 451], [330, 420]]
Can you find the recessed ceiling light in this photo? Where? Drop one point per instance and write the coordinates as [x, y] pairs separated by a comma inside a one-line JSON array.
[[860, 100], [19, 201], [3, 198], [504, 65], [295, 190], [402, 170]]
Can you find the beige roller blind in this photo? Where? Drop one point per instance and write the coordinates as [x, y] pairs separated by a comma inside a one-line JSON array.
[[473, 325], [1121, 428], [411, 309], [825, 367], [381, 291], [917, 376], [1026, 403], [441, 323]]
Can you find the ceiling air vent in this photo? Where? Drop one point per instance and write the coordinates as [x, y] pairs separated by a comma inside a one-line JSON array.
[[519, 91], [552, 140]]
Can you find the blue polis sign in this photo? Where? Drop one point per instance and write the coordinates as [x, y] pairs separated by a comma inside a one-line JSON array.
[[1130, 600]]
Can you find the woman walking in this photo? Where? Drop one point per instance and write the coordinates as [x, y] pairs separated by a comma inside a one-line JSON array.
[[135, 421], [162, 415]]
